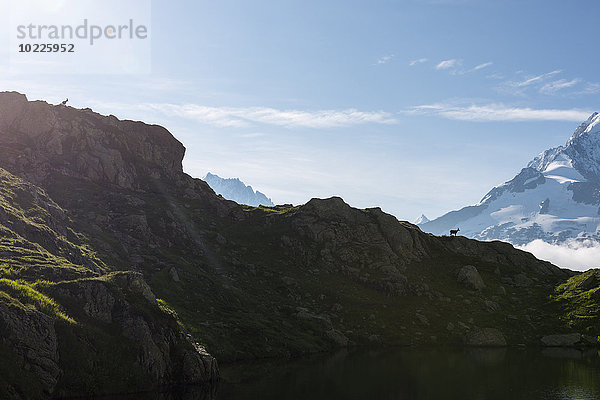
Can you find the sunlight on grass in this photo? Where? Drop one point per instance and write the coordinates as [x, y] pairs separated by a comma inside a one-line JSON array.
[[31, 297]]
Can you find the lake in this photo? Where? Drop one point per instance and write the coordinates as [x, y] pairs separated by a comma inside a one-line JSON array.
[[408, 373]]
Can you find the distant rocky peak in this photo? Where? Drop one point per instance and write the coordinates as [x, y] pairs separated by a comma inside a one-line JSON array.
[[236, 190]]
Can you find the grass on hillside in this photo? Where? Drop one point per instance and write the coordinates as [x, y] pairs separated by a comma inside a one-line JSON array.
[[579, 298], [30, 297]]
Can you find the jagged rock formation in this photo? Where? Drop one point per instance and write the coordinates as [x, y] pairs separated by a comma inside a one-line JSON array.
[[556, 198], [107, 241], [236, 190], [38, 139]]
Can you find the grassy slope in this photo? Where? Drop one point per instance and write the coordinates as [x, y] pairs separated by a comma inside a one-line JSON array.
[[579, 299], [42, 259]]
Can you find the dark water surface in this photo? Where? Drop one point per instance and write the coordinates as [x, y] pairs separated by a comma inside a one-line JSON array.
[[408, 373]]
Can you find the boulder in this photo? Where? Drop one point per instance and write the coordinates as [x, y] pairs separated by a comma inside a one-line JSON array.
[[469, 277], [565, 340], [485, 337]]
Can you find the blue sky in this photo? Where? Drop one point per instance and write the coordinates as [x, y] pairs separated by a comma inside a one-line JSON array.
[[414, 106]]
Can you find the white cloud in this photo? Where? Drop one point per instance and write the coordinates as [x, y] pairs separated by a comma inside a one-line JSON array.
[[481, 66], [519, 87], [555, 86], [534, 79], [385, 59], [447, 64], [417, 61], [499, 112], [248, 116], [572, 254]]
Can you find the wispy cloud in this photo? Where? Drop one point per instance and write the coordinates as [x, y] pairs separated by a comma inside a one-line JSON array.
[[534, 79], [447, 64], [248, 116], [482, 66], [590, 88], [499, 112], [495, 75], [541, 83], [385, 59], [417, 61], [555, 86]]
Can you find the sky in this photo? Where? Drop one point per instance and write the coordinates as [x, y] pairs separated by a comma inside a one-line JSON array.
[[415, 106]]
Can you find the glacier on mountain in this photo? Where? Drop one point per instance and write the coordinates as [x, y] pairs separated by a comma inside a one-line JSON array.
[[556, 198]]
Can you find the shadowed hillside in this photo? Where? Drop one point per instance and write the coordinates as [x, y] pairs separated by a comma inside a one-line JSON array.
[[116, 218]]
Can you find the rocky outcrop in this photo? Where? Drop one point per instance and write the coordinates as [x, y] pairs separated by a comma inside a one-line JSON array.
[[164, 350], [37, 139], [337, 225], [504, 253], [31, 335], [564, 340]]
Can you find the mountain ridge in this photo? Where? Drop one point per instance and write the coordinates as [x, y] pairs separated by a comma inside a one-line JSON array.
[[181, 270]]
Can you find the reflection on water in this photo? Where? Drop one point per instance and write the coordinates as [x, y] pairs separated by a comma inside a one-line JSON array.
[[408, 373]]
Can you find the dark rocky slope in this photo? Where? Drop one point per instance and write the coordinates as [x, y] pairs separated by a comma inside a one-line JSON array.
[[244, 281], [70, 323]]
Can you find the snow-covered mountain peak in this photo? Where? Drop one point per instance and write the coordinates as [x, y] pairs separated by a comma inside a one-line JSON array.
[[421, 220], [555, 198], [591, 125], [581, 154], [236, 190]]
